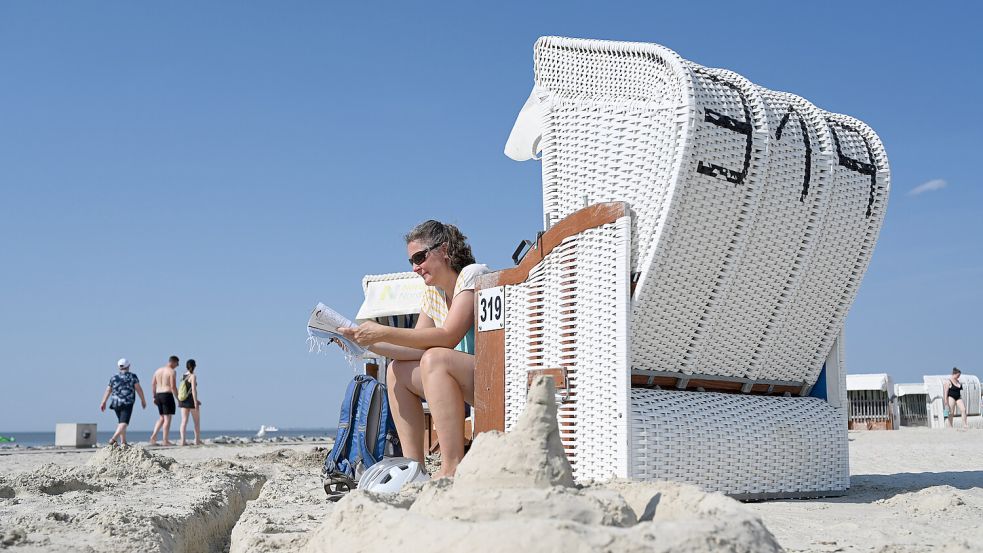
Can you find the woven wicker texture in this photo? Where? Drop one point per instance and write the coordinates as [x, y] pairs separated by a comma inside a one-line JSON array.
[[755, 213], [737, 444], [572, 313]]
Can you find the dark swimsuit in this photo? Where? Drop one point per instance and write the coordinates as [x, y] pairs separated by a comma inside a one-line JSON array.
[[955, 392], [165, 403]]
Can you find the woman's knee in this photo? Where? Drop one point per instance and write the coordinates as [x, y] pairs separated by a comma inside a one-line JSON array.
[[399, 372], [435, 360]]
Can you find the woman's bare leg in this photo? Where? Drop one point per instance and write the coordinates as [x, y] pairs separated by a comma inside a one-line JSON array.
[[448, 382], [952, 409], [122, 433], [405, 387], [196, 414], [962, 410], [184, 424]]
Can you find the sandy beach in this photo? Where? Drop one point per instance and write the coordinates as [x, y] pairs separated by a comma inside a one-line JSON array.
[[912, 490]]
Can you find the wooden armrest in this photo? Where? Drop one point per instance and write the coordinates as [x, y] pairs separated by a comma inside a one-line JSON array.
[[489, 366]]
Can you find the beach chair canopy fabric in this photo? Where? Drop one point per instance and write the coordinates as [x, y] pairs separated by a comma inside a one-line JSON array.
[[881, 382], [755, 213], [909, 389], [391, 294]]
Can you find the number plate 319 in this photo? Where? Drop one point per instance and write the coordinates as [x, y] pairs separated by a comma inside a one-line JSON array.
[[491, 309]]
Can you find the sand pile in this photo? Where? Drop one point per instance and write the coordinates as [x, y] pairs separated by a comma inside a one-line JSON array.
[[311, 459], [126, 461], [516, 491], [125, 499]]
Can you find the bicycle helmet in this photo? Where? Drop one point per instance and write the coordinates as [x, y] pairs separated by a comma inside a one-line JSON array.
[[391, 474]]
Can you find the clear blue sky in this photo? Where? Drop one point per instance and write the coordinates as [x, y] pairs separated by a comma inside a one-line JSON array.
[[191, 177]]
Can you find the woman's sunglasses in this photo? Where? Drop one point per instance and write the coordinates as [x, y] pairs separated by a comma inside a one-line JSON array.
[[419, 257]]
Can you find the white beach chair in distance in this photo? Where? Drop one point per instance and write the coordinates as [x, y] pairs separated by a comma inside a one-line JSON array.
[[873, 402], [913, 403], [747, 220]]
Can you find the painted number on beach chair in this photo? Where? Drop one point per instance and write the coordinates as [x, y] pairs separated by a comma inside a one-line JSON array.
[[491, 309], [745, 128]]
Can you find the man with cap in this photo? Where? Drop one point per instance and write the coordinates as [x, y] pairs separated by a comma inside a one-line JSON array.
[[121, 394]]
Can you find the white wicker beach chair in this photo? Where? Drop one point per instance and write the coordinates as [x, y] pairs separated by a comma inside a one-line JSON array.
[[749, 219], [873, 404], [755, 211], [913, 403]]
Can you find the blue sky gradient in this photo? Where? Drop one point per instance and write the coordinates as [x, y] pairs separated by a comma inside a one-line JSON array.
[[191, 178]]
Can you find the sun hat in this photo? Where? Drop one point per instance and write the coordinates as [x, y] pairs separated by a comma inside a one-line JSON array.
[[123, 363]]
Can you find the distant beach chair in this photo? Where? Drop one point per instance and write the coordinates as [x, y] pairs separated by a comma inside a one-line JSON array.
[[705, 240], [913, 403], [872, 402]]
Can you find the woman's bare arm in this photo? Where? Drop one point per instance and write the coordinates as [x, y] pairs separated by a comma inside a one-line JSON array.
[[459, 320], [403, 353], [194, 390]]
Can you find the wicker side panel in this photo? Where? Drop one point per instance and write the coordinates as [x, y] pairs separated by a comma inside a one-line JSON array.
[[844, 245], [791, 205], [572, 313], [743, 445], [713, 207]]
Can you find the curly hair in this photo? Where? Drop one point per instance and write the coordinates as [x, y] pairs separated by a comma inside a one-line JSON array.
[[435, 233]]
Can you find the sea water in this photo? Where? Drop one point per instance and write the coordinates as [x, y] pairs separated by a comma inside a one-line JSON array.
[[47, 439]]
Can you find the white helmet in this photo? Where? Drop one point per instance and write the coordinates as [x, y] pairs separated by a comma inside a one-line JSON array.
[[391, 474]]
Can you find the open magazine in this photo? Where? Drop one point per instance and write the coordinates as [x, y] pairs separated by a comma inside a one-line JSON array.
[[322, 329]]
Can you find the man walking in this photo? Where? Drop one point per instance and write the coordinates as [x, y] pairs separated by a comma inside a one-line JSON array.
[[164, 387]]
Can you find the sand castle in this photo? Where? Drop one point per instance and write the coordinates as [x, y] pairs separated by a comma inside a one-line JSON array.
[[516, 491]]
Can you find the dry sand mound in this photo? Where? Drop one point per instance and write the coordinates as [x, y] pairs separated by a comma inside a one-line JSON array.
[[125, 499], [289, 508], [516, 492]]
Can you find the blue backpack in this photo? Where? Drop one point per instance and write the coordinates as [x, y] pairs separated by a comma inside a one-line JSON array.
[[366, 433]]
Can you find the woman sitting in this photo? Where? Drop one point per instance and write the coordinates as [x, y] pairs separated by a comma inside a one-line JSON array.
[[435, 359]]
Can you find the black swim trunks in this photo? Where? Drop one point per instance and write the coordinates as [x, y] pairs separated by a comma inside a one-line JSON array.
[[123, 412], [165, 403]]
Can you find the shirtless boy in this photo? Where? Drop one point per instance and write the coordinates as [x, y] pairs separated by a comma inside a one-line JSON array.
[[164, 387]]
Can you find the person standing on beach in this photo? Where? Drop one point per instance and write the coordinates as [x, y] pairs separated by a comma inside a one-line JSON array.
[[952, 391], [164, 387], [123, 388], [190, 404]]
